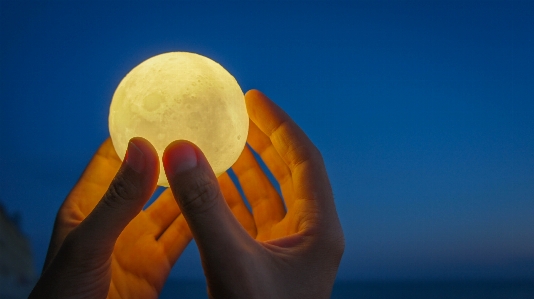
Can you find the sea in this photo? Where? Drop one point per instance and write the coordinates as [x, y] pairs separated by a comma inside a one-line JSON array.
[[389, 290]]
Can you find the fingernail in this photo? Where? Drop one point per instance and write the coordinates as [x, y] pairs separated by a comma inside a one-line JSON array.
[[135, 157], [183, 158]]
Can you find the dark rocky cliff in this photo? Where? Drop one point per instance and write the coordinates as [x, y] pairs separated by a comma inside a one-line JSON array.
[[17, 274]]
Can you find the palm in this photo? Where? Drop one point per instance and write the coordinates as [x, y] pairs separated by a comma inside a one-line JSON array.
[[269, 219], [297, 240], [146, 249]]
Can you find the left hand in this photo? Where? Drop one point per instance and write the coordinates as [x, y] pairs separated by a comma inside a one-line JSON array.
[[104, 244]]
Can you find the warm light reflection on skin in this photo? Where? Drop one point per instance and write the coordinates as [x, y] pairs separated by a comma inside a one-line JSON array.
[[181, 95]]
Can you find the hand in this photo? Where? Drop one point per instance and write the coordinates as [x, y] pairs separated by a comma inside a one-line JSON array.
[[273, 252], [103, 244]]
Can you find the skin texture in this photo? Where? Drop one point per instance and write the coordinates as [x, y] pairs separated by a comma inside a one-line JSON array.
[[103, 244], [277, 253], [290, 246]]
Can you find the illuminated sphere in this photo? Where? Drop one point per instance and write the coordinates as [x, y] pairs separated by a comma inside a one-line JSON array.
[[181, 95]]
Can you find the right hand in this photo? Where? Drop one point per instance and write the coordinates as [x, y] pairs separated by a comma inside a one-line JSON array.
[[271, 253]]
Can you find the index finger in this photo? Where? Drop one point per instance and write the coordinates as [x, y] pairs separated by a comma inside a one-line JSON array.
[[95, 179], [87, 192], [303, 159]]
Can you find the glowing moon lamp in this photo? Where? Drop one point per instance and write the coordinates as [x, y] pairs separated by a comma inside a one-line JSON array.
[[181, 95]]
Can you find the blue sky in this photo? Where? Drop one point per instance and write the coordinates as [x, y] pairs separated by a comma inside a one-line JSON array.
[[424, 113]]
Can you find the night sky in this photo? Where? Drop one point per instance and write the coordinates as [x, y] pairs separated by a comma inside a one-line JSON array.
[[423, 111]]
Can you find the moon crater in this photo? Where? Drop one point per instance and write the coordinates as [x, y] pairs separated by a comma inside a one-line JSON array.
[[181, 95]]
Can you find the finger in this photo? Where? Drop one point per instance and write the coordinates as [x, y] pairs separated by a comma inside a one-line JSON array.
[[129, 191], [303, 159], [175, 238], [266, 204], [197, 192], [262, 145], [236, 204], [87, 192], [163, 211], [95, 179]]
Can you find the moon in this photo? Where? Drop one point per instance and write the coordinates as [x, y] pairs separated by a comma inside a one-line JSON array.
[[181, 96]]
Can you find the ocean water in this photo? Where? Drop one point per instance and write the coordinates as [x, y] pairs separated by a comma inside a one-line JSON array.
[[390, 290]]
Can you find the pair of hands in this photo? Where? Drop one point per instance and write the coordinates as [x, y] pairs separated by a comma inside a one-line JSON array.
[[105, 245]]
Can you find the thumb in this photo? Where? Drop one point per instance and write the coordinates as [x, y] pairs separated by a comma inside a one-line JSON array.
[[85, 252], [131, 188], [196, 189]]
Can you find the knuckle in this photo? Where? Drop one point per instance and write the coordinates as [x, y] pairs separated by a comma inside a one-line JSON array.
[[81, 248], [199, 194], [336, 242], [300, 153], [299, 149], [340, 246], [119, 191]]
